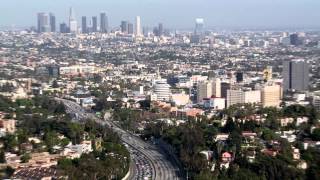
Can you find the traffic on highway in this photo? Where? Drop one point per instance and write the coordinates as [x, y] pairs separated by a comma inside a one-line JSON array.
[[148, 160]]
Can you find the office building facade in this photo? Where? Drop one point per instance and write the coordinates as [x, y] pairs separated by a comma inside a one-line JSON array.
[[84, 26], [43, 23], [104, 23], [138, 26], [124, 27], [52, 22], [271, 94], [296, 75], [94, 24]]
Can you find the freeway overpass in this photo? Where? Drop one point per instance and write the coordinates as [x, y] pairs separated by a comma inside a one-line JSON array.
[[149, 161]]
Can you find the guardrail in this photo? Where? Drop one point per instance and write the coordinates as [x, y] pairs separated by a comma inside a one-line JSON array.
[[126, 177], [169, 150]]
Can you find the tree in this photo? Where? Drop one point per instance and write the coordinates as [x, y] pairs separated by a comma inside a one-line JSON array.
[[25, 158], [2, 156], [268, 134], [60, 109], [204, 175], [316, 134], [10, 142], [230, 126], [51, 139], [313, 172], [55, 84]]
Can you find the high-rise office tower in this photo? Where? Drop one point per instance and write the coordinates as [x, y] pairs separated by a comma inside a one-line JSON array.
[[84, 26], [156, 31], [130, 28], [235, 96], [224, 88], [73, 25], [216, 87], [64, 28], [145, 31], [162, 90], [296, 75], [204, 90], [271, 95], [94, 24], [252, 97], [239, 77], [124, 27], [103, 23], [138, 26], [52, 22], [43, 23], [199, 26], [160, 29], [294, 39]]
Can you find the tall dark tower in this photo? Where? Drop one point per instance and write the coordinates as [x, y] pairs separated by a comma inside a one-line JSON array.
[[239, 77], [103, 23], [124, 27], [296, 75], [52, 22], [294, 40], [94, 24], [84, 26], [130, 28], [64, 28], [160, 30]]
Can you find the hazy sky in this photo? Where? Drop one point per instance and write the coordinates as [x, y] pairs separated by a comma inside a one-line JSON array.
[[173, 13]]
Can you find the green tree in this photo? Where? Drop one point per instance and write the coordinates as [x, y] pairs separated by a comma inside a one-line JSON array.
[[2, 156], [25, 158], [316, 134], [268, 134]]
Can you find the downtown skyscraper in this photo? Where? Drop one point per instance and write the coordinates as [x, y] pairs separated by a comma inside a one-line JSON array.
[[199, 26], [73, 25], [94, 24], [43, 23], [124, 27], [130, 28], [84, 26], [138, 26], [104, 23], [46, 22], [52, 22]]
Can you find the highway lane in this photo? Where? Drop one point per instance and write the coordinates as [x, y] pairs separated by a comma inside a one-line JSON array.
[[150, 162]]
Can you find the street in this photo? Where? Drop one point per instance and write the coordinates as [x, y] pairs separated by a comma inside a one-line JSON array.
[[149, 161]]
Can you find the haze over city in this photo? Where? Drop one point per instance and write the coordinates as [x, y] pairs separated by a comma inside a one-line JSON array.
[[175, 14], [160, 89]]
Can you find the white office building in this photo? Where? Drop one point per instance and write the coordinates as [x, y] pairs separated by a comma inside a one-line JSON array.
[[161, 90]]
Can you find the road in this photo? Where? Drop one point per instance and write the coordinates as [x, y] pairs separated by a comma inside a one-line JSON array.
[[149, 161]]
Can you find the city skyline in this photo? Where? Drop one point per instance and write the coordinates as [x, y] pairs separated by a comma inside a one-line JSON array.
[[244, 14], [160, 89]]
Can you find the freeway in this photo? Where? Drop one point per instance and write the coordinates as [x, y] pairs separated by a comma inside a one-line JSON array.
[[149, 161]]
